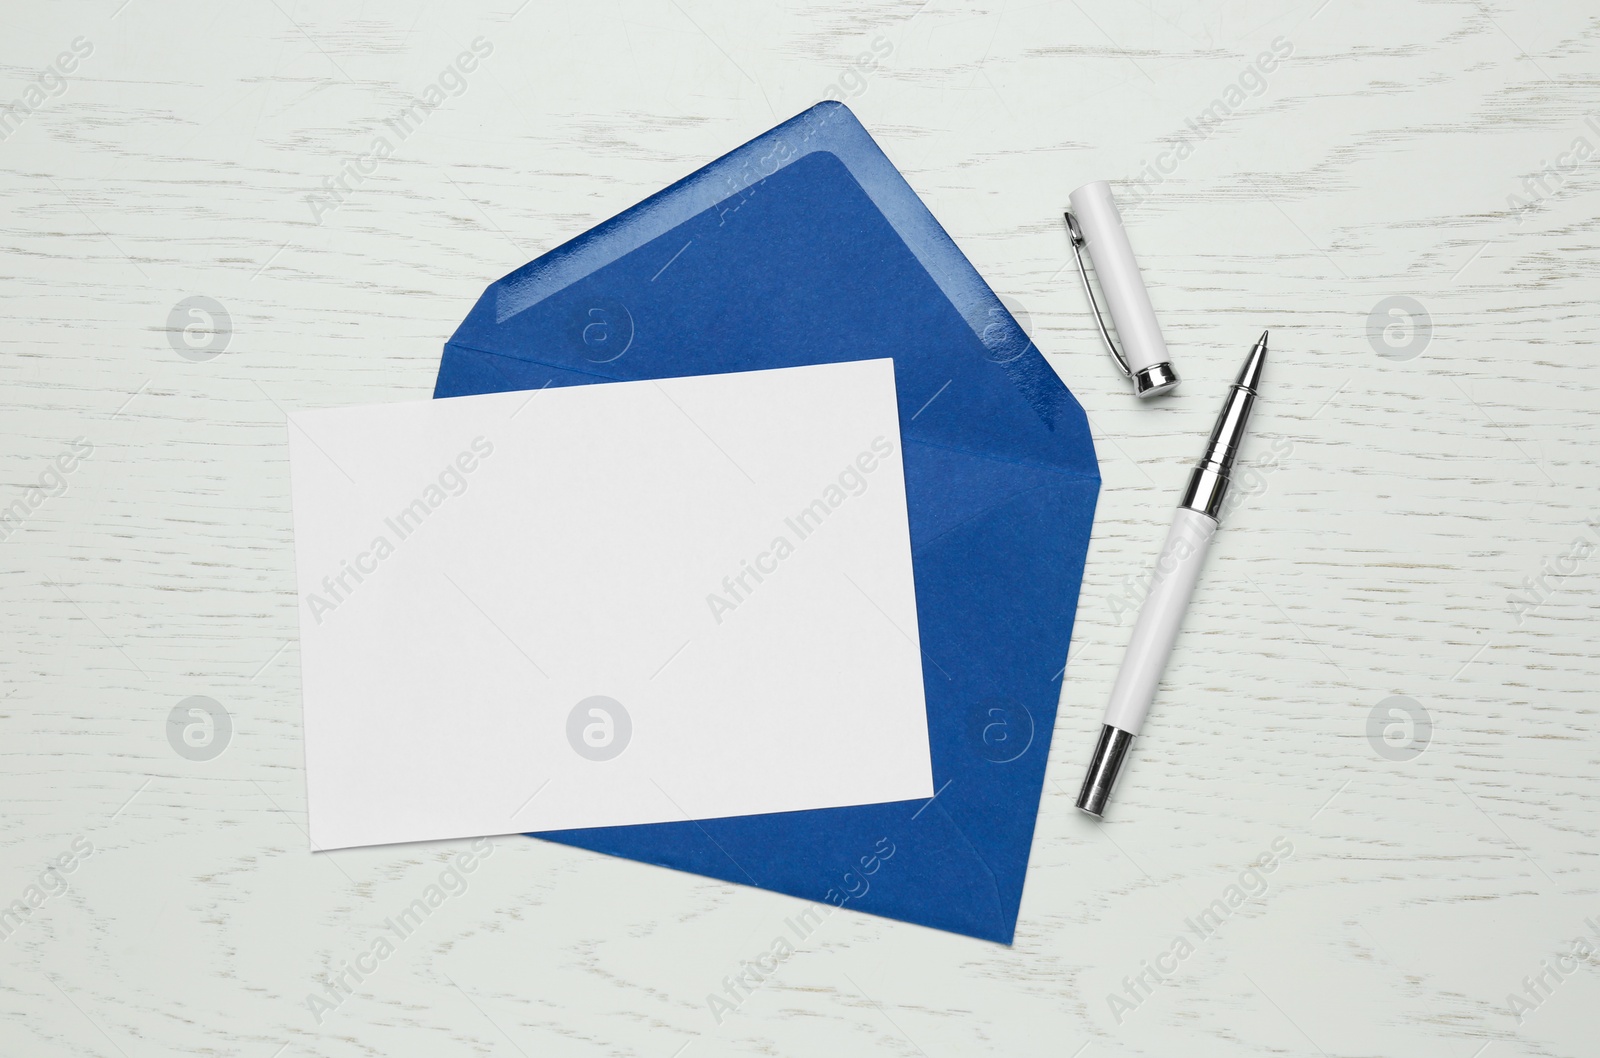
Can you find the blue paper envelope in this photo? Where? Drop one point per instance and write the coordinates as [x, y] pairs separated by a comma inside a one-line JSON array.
[[806, 246]]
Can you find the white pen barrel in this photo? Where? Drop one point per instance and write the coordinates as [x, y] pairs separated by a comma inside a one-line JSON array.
[[1174, 578]]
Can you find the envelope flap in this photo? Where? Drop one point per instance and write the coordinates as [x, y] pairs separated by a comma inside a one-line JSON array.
[[905, 860], [803, 246]]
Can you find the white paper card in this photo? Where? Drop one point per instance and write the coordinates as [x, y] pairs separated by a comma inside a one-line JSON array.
[[629, 602]]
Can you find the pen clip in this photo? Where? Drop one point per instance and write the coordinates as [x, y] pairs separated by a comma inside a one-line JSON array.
[[1076, 234]]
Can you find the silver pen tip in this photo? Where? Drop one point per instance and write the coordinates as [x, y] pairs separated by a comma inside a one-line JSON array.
[[1250, 374]]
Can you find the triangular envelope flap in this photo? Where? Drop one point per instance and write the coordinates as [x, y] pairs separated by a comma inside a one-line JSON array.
[[905, 860], [802, 267]]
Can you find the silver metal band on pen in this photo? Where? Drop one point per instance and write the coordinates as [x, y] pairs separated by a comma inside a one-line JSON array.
[[1208, 482]]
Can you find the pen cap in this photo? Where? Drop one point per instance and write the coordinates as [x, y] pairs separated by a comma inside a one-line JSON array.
[[1144, 351]]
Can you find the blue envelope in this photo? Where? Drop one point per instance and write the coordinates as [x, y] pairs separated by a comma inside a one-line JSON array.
[[806, 246]]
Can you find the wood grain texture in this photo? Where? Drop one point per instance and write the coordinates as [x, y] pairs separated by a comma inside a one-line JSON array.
[[1396, 151]]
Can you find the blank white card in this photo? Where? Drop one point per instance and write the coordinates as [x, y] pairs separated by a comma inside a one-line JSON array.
[[630, 602]]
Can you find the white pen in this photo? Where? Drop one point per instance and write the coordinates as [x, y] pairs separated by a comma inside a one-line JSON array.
[[1176, 572]]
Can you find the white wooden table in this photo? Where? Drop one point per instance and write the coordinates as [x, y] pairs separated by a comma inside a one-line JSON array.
[[1424, 458]]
